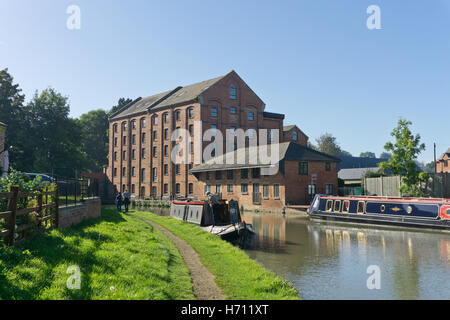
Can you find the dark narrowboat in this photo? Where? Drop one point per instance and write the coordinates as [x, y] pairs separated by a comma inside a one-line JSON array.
[[410, 212], [222, 219]]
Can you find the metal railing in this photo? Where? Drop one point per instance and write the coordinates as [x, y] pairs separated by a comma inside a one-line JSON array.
[[75, 191]]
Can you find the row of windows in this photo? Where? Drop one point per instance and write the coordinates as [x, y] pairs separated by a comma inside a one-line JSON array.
[[154, 171], [214, 113], [255, 173], [244, 189], [303, 167]]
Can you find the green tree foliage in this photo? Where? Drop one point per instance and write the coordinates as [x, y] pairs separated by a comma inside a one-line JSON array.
[[120, 104], [404, 151], [94, 127], [56, 137], [367, 154], [326, 143], [385, 155]]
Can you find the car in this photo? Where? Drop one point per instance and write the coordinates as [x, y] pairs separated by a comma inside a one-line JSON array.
[[44, 178]]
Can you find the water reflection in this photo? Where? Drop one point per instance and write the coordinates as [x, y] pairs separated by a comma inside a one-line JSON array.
[[329, 260]]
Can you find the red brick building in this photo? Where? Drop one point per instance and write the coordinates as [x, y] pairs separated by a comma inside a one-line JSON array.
[[141, 144], [443, 163]]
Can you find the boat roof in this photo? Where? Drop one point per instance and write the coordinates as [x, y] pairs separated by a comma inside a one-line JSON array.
[[388, 199]]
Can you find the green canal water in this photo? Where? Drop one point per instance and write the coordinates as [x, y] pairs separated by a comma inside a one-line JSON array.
[[327, 260]]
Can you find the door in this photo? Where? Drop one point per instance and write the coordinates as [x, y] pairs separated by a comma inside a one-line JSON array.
[[256, 194]]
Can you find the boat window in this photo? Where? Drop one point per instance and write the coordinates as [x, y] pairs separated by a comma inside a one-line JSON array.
[[346, 206], [337, 206], [329, 206], [383, 208], [361, 206]]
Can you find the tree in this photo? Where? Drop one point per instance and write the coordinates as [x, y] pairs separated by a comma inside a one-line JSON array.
[[120, 104], [94, 129], [57, 139], [385, 155], [326, 143], [404, 151], [14, 114], [367, 154]]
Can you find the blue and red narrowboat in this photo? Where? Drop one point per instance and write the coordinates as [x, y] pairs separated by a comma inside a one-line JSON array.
[[398, 211]]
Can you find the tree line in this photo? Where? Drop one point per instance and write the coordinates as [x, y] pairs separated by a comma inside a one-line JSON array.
[[42, 137]]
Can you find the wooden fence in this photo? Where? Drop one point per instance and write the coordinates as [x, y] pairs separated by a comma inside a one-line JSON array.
[[41, 212]]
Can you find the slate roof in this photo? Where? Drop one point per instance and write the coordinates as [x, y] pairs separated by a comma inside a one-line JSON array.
[[355, 173], [286, 151], [175, 96], [358, 162]]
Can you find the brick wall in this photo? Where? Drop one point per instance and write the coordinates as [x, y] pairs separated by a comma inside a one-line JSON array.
[[443, 165], [73, 215]]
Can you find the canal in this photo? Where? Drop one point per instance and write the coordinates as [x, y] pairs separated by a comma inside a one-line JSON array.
[[327, 260]]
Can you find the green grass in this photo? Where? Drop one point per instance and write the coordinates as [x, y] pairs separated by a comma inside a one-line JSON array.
[[119, 258], [238, 276]]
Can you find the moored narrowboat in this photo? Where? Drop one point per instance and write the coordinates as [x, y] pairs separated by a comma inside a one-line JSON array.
[[223, 218], [410, 212]]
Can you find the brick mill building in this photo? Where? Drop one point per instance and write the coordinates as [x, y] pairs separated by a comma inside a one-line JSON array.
[[141, 147], [443, 163]]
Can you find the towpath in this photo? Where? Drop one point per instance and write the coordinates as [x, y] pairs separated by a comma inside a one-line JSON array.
[[205, 288]]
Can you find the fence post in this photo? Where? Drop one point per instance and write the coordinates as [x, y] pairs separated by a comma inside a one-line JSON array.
[[56, 208], [11, 224], [39, 210]]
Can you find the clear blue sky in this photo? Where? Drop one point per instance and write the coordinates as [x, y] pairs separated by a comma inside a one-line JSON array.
[[314, 61]]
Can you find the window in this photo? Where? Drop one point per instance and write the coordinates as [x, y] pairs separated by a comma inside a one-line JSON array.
[[256, 173], [207, 175], [177, 169], [115, 156], [178, 115], [143, 137], [329, 205], [361, 205], [233, 110], [154, 191], [244, 188], [155, 120], [329, 189], [142, 192], [143, 175], [124, 172], [191, 148], [311, 189], [251, 116], [207, 188], [230, 175], [244, 173], [133, 139], [143, 123], [191, 130], [271, 135], [295, 136], [229, 188], [155, 152], [115, 142], [155, 174], [303, 168], [133, 124], [177, 188], [166, 188], [166, 118], [166, 151], [337, 206], [166, 134], [133, 189], [214, 129], [124, 155], [133, 171], [265, 191], [124, 126], [155, 135], [191, 113], [115, 128], [327, 166], [124, 140], [143, 153], [233, 92], [346, 206], [166, 169], [218, 175], [218, 189], [191, 188], [115, 172], [276, 191], [213, 112]]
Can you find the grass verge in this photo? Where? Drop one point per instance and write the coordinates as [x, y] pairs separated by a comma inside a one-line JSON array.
[[119, 258], [236, 274]]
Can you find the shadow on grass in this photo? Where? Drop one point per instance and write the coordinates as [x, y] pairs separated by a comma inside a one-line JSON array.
[[53, 251]]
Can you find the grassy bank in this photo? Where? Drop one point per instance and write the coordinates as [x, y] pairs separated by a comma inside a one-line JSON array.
[[239, 276], [119, 258]]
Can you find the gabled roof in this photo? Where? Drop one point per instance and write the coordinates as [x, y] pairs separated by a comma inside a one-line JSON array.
[[175, 96], [286, 151], [2, 124], [290, 127], [358, 162], [355, 173], [445, 153]]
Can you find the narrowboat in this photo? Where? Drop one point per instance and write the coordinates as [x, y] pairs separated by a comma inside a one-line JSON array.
[[411, 212], [222, 219]]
